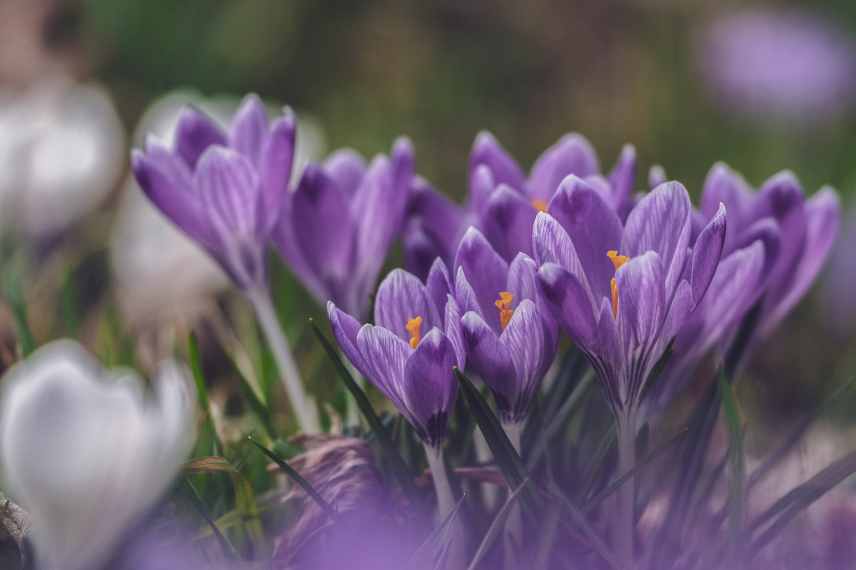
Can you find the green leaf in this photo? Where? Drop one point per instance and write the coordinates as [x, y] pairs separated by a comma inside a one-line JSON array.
[[18, 305], [737, 464], [496, 526], [228, 549], [440, 537], [399, 467], [296, 477], [202, 391]]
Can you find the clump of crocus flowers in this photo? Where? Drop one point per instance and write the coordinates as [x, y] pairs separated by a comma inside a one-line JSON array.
[[530, 351]]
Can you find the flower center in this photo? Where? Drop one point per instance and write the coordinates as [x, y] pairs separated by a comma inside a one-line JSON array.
[[539, 204], [617, 261], [504, 306], [414, 327]]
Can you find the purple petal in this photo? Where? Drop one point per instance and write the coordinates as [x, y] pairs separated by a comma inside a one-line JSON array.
[[168, 183], [522, 279], [323, 227], [194, 133], [552, 245], [505, 170], [454, 332], [429, 385], [228, 188], [679, 310], [249, 128], [724, 186], [379, 206], [345, 329], [275, 164], [420, 251], [507, 222], [485, 271], [570, 303], [385, 356], [656, 176], [285, 241], [481, 188], [346, 167], [572, 154], [823, 217], [641, 300], [465, 296], [488, 357], [706, 254], [400, 298], [661, 222], [439, 284], [622, 178], [440, 218], [594, 229], [531, 352], [767, 232]]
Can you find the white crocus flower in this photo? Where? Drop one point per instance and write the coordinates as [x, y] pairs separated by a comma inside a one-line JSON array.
[[86, 452], [61, 152]]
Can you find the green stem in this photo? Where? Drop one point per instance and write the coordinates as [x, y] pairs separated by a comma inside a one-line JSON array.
[[626, 521]]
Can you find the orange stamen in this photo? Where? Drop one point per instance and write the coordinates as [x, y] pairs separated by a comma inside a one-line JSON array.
[[504, 306], [617, 261], [539, 204], [414, 327]]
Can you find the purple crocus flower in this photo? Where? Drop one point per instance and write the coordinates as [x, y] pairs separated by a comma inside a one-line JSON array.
[[623, 293], [503, 201], [411, 350], [336, 227], [798, 233], [509, 338], [223, 189], [778, 64]]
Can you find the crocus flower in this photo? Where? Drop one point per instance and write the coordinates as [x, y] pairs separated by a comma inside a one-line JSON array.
[[623, 293], [60, 155], [335, 229], [410, 351], [84, 452], [806, 231], [409, 355], [503, 201], [778, 65], [509, 338], [224, 190]]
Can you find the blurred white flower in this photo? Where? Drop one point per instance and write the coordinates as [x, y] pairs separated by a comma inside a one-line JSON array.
[[61, 152], [85, 453], [159, 272]]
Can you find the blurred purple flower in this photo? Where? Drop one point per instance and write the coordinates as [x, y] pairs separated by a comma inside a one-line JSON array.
[[503, 201], [411, 350], [623, 293], [509, 338], [337, 226], [781, 64], [224, 190]]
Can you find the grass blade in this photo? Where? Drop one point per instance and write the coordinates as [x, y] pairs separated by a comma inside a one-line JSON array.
[[229, 551], [296, 477], [580, 521], [438, 531], [399, 467], [496, 527]]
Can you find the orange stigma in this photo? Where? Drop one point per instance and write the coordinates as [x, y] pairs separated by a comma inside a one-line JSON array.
[[539, 204], [504, 306], [414, 327], [617, 261]]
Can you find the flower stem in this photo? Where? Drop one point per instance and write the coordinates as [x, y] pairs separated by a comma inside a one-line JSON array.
[[514, 524], [303, 405], [626, 521], [445, 499]]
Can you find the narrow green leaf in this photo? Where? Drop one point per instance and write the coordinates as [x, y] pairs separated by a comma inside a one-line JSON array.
[[440, 531], [228, 549], [18, 305], [496, 526], [391, 454], [507, 459], [296, 477], [202, 391], [737, 464], [581, 522]]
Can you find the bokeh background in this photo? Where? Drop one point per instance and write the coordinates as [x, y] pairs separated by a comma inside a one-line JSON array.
[[763, 86]]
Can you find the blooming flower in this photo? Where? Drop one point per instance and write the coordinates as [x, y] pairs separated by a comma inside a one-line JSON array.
[[60, 155], [336, 227], [117, 453], [623, 293], [778, 64], [411, 350], [509, 338], [503, 201], [224, 190]]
